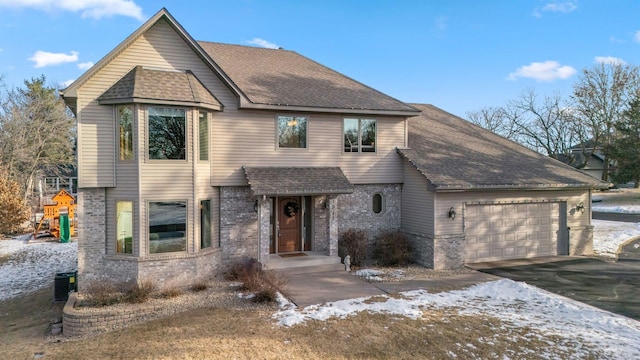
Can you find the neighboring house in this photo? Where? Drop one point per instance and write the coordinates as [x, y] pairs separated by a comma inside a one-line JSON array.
[[585, 158], [192, 155]]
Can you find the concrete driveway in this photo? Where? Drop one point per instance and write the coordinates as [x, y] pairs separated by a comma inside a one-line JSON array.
[[611, 286]]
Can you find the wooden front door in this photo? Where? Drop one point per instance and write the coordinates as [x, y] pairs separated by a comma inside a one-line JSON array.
[[289, 220]]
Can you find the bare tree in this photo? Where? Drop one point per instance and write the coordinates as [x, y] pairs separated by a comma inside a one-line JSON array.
[[543, 124], [600, 97], [494, 119], [36, 133]]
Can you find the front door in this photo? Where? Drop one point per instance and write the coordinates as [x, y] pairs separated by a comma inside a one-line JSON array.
[[289, 220]]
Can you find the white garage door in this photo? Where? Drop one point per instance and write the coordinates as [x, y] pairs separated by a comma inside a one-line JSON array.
[[511, 231]]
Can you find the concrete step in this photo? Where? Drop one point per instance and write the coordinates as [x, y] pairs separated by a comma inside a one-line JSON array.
[[310, 269]]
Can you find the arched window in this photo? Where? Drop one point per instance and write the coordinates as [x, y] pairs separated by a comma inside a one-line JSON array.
[[377, 203]]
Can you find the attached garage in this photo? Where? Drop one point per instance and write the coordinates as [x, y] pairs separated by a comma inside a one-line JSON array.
[[470, 195], [511, 231]]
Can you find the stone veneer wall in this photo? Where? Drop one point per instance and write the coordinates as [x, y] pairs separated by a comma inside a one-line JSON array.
[[164, 270], [93, 266], [449, 251], [355, 211], [422, 246], [238, 224]]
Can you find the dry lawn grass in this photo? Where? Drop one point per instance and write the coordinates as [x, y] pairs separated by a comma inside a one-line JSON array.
[[220, 333], [618, 197]]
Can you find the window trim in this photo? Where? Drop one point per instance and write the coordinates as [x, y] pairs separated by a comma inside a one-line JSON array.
[[207, 134], [383, 207], [359, 145], [117, 239], [119, 133], [201, 225], [186, 133], [186, 230], [277, 133]]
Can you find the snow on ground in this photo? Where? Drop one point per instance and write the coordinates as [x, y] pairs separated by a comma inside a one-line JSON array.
[[609, 235], [30, 267], [27, 267], [624, 209], [515, 303]]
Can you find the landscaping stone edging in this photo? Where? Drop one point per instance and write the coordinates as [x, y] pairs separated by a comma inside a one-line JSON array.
[[80, 323]]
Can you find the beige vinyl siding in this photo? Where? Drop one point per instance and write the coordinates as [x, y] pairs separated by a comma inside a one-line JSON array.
[[417, 202], [159, 47], [444, 201], [249, 138]]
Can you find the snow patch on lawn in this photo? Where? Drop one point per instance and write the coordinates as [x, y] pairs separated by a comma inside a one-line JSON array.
[[609, 235], [515, 303], [30, 267]]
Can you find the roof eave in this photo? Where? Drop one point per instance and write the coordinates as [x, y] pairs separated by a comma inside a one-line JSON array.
[[244, 104], [474, 187], [159, 102]]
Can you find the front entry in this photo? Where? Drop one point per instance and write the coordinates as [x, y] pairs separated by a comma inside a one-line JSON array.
[[289, 221]]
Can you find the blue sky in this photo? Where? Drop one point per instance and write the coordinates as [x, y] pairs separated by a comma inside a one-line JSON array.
[[457, 55]]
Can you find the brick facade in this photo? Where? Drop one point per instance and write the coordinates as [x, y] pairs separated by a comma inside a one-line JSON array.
[[355, 211]]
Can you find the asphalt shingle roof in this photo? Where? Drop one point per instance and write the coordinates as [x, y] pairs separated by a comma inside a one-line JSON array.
[[165, 85], [452, 153], [286, 78], [297, 180]]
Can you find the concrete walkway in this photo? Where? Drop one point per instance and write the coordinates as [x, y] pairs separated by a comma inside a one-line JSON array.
[[309, 288]]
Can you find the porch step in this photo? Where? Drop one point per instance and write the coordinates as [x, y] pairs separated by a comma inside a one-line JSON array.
[[310, 269], [310, 262]]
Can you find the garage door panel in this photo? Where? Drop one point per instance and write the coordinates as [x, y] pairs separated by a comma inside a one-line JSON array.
[[506, 231]]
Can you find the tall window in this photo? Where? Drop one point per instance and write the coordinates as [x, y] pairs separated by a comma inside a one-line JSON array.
[[124, 227], [377, 203], [203, 135], [125, 128], [167, 226], [292, 132], [359, 135], [167, 133], [205, 224]]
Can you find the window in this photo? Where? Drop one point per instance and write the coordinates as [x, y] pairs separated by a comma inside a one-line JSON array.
[[292, 132], [167, 135], [124, 227], [125, 129], [377, 203], [203, 135], [205, 224], [359, 135], [167, 226]]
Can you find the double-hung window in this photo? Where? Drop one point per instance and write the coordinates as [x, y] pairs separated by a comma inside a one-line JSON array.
[[167, 133], [124, 227], [359, 135], [203, 135], [292, 132], [125, 130]]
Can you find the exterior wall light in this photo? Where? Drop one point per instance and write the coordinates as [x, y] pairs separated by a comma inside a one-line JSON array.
[[580, 207], [452, 213]]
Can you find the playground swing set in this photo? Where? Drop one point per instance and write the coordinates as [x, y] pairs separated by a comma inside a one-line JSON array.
[[59, 218]]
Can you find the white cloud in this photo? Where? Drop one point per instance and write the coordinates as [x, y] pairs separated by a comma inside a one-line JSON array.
[[43, 58], [610, 60], [560, 7], [543, 71], [563, 7], [87, 8], [85, 65], [66, 84], [636, 37], [263, 43]]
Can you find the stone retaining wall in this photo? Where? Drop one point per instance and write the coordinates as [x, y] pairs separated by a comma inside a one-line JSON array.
[[79, 323]]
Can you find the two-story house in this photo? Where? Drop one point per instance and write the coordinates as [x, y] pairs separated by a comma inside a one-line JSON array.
[[194, 154]]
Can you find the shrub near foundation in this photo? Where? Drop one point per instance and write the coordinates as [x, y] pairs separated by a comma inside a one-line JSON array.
[[392, 248], [353, 243], [264, 285]]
